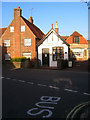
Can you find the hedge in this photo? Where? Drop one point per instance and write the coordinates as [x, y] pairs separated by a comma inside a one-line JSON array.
[[18, 59]]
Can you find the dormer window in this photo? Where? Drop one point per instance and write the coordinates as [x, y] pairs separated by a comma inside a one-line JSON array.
[[75, 39], [12, 29], [23, 28]]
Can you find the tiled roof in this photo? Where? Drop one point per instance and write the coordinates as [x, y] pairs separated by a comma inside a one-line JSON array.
[[82, 40], [64, 37], [38, 33], [76, 34], [2, 30]]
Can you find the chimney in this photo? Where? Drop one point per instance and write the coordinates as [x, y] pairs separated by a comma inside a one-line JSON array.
[[30, 19], [17, 12], [56, 29], [52, 26]]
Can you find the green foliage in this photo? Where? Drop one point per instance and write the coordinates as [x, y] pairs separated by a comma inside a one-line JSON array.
[[88, 59], [18, 59]]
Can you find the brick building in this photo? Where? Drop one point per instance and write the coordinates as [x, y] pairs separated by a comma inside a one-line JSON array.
[[20, 37]]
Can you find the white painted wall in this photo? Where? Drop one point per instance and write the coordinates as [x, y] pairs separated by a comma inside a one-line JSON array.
[[51, 42]]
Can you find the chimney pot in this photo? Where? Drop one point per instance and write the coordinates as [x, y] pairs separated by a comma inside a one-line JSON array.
[[56, 29], [30, 19], [17, 12], [18, 7], [52, 26]]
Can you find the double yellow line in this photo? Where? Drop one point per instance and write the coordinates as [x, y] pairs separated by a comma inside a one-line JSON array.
[[76, 109]]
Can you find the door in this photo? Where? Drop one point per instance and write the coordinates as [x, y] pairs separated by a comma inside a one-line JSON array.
[[45, 56]]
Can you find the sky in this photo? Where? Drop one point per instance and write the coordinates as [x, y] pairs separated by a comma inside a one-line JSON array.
[[71, 16]]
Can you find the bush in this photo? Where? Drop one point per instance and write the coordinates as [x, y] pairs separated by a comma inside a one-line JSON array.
[[88, 59], [18, 59]]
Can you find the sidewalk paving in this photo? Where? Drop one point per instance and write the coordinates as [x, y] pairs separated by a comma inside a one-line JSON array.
[[79, 66]]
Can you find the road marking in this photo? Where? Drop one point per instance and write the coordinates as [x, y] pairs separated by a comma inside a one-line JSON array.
[[86, 93], [53, 87], [45, 104], [8, 78], [30, 83], [41, 85], [21, 81], [2, 77], [70, 90]]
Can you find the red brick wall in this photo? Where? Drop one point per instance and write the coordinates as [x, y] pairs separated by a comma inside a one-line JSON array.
[[17, 39]]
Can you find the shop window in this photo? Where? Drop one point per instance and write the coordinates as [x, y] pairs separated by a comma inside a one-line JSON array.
[[58, 53], [85, 53]]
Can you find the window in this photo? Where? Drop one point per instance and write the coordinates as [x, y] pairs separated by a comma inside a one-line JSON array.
[[27, 55], [27, 42], [12, 29], [58, 53], [7, 56], [7, 43], [76, 39], [77, 54], [22, 28], [85, 52]]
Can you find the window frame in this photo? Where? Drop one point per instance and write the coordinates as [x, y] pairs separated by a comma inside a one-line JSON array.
[[57, 53], [26, 55], [6, 44], [27, 45], [76, 39], [22, 29], [11, 30]]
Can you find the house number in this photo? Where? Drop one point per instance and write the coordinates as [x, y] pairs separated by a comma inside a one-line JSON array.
[[48, 101]]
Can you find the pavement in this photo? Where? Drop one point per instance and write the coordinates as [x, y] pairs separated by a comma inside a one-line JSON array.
[[79, 66]]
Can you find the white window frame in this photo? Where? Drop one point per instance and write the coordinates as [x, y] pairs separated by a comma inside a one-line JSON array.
[[22, 28], [27, 54], [7, 56], [7, 43], [27, 42], [12, 29]]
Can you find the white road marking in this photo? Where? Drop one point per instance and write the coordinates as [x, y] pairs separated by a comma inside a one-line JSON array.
[[41, 85], [53, 87], [30, 83], [86, 93], [70, 90], [56, 87], [8, 78], [21, 81], [2, 77]]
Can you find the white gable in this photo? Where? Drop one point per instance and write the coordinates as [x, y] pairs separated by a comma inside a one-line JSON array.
[[52, 39]]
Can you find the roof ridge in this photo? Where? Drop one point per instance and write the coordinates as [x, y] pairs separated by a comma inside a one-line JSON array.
[[38, 33]]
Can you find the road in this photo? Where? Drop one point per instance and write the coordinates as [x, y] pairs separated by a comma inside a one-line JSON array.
[[35, 93]]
